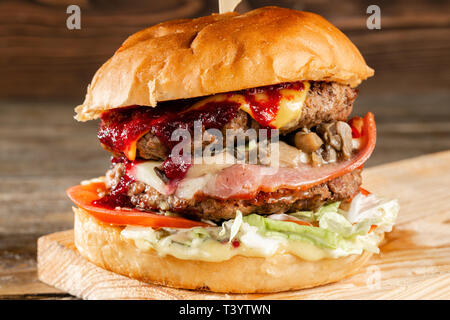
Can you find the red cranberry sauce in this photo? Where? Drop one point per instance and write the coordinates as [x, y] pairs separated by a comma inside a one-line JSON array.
[[265, 111], [121, 127], [118, 196]]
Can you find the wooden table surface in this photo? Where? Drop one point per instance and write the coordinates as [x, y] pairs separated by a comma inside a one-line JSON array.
[[43, 150]]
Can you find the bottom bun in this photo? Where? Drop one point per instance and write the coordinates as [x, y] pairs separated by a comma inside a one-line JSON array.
[[103, 245]]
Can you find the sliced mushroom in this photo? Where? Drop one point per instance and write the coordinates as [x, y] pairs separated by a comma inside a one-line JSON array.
[[327, 130], [329, 134], [336, 142], [316, 159], [345, 133], [307, 142], [290, 156], [305, 130], [329, 154]]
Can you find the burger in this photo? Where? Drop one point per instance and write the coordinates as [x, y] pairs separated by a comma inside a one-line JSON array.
[[279, 205]]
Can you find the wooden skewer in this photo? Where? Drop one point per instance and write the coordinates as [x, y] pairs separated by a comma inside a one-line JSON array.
[[228, 5]]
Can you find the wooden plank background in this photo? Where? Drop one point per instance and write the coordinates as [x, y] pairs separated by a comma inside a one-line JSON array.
[[41, 58], [45, 69]]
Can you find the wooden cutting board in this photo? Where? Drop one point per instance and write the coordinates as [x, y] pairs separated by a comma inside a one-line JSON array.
[[414, 262]]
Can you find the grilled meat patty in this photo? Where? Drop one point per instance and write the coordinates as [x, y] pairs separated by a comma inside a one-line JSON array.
[[284, 200], [325, 101]]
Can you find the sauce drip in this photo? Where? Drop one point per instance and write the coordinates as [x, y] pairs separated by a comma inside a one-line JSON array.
[[264, 111], [118, 196]]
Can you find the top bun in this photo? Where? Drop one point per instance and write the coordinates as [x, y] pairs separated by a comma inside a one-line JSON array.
[[219, 53]]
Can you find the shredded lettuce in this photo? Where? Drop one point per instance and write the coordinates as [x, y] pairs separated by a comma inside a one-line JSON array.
[[334, 232], [236, 225], [292, 231], [332, 207], [304, 215], [373, 210]]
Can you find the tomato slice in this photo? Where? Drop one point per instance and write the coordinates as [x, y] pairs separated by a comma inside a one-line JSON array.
[[356, 124], [84, 195], [364, 191]]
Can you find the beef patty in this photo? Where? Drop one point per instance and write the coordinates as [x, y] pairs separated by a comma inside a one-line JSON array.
[[283, 200], [325, 101]]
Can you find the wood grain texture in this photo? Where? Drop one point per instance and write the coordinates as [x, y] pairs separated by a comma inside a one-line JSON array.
[[414, 262], [410, 51]]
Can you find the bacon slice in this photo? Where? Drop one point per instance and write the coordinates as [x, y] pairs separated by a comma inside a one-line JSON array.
[[245, 181]]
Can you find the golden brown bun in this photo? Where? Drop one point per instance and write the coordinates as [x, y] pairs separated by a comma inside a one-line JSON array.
[[220, 53], [103, 245]]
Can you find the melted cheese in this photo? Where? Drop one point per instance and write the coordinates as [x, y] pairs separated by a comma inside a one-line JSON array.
[[289, 112], [186, 189], [130, 151], [252, 245], [196, 178], [145, 172]]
